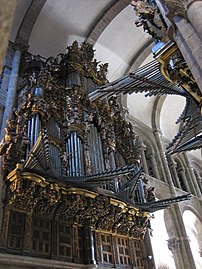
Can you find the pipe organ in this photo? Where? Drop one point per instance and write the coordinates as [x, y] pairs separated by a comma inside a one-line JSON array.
[[72, 181]]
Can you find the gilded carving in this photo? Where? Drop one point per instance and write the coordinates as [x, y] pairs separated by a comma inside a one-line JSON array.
[[51, 200], [175, 69], [54, 116]]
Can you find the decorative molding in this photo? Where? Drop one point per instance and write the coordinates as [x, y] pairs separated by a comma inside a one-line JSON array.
[[29, 192], [175, 243]]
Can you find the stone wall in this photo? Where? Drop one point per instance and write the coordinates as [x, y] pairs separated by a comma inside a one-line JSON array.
[[6, 19]]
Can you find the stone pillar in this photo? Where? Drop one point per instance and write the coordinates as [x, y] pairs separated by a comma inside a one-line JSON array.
[[154, 164], [185, 15], [174, 247], [10, 100], [1, 114], [6, 19], [193, 180], [157, 134], [191, 183], [183, 256], [173, 166], [190, 46], [144, 161], [89, 246], [12, 88], [194, 11], [180, 246], [182, 172]]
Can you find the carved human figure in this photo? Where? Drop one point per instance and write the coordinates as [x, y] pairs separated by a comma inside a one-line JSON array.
[[65, 159], [145, 191], [10, 130], [151, 195]]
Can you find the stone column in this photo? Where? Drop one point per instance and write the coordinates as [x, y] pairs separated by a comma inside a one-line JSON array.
[[12, 88], [174, 247], [193, 181], [10, 101], [173, 166], [190, 46], [186, 258], [178, 246], [6, 19], [182, 171], [187, 33], [157, 134], [144, 161], [89, 246], [194, 11], [154, 164]]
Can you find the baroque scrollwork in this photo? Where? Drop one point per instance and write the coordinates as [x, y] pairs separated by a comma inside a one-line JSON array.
[[74, 206], [51, 135], [174, 68]]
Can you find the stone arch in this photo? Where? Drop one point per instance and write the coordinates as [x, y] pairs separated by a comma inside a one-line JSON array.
[[169, 218], [150, 151], [28, 22], [156, 113], [194, 211], [161, 237], [193, 225], [181, 173]]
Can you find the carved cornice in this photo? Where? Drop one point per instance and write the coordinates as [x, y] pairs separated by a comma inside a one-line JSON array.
[[32, 193]]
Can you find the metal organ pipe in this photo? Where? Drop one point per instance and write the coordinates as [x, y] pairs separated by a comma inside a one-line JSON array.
[[75, 152]]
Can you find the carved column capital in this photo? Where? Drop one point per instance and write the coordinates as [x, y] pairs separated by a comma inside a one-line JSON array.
[[176, 8], [175, 242]]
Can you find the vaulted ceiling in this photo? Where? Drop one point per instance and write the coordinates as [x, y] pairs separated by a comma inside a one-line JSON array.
[[47, 27]]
